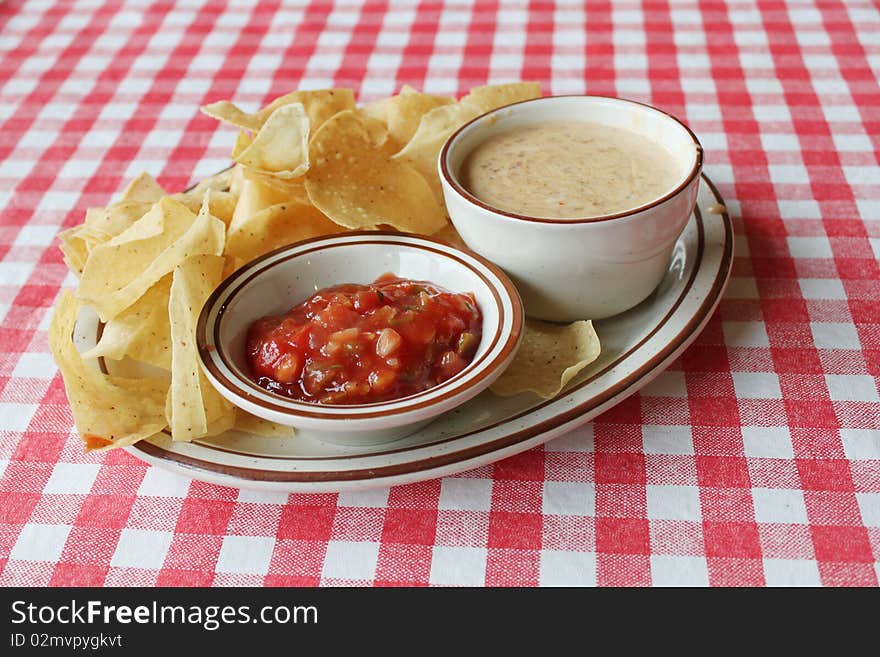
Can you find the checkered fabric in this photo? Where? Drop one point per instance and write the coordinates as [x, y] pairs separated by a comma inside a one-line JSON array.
[[754, 460]]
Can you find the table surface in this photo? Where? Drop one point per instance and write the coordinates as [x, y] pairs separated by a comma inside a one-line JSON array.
[[755, 459]]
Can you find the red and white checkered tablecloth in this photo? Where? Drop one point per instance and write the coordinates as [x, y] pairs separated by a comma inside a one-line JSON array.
[[754, 460]]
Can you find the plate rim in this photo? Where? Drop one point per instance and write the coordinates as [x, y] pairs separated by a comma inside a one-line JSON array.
[[524, 438]]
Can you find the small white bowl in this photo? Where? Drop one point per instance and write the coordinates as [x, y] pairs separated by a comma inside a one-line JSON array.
[[275, 282], [569, 269]]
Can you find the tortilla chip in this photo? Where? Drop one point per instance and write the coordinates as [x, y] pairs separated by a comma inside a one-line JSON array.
[[118, 272], [236, 179], [141, 331], [219, 182], [377, 110], [193, 402], [320, 105], [242, 141], [359, 187], [402, 113], [109, 411], [74, 248], [292, 189], [277, 226], [493, 96], [248, 423], [106, 223], [257, 194], [435, 127], [143, 189], [220, 204], [281, 147], [549, 356]]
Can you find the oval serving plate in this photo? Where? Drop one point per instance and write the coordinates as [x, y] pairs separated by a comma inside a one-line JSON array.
[[636, 346]]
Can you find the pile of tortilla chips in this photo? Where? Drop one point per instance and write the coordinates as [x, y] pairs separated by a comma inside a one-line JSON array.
[[311, 163]]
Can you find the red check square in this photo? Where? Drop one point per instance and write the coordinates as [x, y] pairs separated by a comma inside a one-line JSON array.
[[77, 574], [623, 536], [828, 474], [409, 526], [620, 468], [307, 522], [514, 530], [199, 516], [527, 466], [814, 413], [732, 539], [722, 471], [714, 411], [848, 544], [403, 564], [105, 511]]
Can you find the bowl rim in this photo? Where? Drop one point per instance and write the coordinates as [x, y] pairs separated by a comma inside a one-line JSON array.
[[238, 385], [453, 183]]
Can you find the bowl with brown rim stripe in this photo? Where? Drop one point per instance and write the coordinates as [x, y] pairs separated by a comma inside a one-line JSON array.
[[277, 281]]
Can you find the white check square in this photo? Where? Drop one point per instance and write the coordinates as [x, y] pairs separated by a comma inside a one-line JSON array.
[[141, 548], [32, 365], [756, 385], [767, 442], [779, 505], [578, 440], [861, 444], [248, 555], [822, 288], [851, 387], [835, 335], [372, 497], [16, 417], [569, 498], [667, 384], [351, 560], [36, 235], [676, 570], [791, 572], [40, 542], [465, 494], [561, 568], [458, 566], [673, 503], [667, 439], [869, 505], [854, 143], [72, 478], [15, 273], [809, 247], [799, 209], [789, 174], [745, 334], [161, 483], [262, 496]]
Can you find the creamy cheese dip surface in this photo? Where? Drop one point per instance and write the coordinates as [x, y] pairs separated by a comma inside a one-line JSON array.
[[568, 170]]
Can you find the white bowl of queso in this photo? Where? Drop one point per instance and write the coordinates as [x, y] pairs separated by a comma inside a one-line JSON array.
[[580, 199]]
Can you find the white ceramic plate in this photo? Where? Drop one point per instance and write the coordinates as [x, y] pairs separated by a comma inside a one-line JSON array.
[[636, 346]]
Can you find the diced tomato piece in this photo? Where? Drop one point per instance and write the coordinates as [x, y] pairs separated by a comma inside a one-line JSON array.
[[367, 300]]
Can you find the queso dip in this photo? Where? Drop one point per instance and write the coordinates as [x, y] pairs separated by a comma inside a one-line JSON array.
[[568, 170]]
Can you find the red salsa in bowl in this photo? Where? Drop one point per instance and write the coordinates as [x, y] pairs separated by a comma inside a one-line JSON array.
[[362, 344]]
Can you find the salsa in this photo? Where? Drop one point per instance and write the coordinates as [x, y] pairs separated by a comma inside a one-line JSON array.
[[360, 344]]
